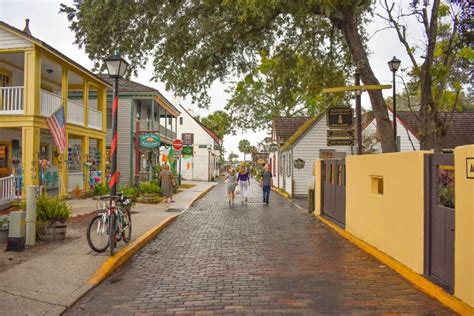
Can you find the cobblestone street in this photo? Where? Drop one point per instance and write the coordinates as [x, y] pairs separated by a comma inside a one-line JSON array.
[[252, 259]]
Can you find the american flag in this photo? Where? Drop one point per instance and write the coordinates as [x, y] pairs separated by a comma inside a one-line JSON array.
[[57, 128]]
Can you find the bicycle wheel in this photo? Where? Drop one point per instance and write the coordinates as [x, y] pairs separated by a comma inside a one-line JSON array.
[[97, 236], [127, 222], [112, 233]]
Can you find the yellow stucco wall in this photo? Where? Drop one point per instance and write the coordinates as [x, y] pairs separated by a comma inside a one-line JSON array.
[[317, 187], [464, 226], [393, 221]]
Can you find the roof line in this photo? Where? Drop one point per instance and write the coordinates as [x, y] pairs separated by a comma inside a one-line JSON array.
[[207, 130], [303, 129]]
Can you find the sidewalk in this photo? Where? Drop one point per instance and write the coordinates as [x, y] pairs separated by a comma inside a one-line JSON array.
[[55, 276]]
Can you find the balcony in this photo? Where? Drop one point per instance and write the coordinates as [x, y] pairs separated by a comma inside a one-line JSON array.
[[12, 103]]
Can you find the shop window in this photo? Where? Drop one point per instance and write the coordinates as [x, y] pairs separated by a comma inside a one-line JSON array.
[[180, 121], [5, 78], [3, 156], [44, 152]]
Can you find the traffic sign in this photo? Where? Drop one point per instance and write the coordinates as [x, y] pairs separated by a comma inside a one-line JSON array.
[[341, 133], [177, 144], [340, 117], [341, 142]]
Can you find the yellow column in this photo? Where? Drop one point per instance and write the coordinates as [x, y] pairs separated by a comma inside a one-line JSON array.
[[32, 80], [102, 106], [85, 92], [85, 158], [64, 88], [30, 144], [63, 172], [103, 159]]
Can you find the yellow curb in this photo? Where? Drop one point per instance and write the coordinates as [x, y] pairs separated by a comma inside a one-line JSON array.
[[200, 196], [417, 280], [284, 195], [125, 253]]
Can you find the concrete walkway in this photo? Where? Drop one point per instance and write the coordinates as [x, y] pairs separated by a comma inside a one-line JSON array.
[[50, 281], [253, 259]]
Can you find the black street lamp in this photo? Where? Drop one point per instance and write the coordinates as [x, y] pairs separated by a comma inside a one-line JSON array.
[[394, 64], [116, 67]]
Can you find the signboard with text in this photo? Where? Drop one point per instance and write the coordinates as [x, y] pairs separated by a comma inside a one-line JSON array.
[[340, 117], [150, 140]]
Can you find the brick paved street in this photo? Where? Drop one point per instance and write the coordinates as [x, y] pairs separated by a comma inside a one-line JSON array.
[[252, 259]]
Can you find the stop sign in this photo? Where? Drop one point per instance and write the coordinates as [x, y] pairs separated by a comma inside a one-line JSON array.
[[177, 144]]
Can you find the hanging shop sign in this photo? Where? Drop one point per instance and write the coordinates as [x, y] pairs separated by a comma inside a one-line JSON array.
[[187, 151], [149, 140], [340, 117]]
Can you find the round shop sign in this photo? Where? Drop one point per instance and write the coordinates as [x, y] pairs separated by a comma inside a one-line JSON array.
[[150, 140]]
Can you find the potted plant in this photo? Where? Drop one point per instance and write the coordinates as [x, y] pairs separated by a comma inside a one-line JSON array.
[[51, 217]]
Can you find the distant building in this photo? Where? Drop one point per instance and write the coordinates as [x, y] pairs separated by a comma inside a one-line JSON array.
[[200, 161]]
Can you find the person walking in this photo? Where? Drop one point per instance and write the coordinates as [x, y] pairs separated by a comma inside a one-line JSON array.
[[266, 183], [244, 182], [167, 183], [231, 180]]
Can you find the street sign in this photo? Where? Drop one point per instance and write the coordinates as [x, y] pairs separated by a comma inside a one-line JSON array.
[[150, 140], [177, 153], [187, 151], [340, 117], [341, 142], [341, 133], [177, 144]]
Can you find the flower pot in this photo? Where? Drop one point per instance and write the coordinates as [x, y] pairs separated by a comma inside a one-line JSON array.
[[52, 231]]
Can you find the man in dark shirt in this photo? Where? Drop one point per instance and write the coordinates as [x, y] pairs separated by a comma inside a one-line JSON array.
[[266, 184]]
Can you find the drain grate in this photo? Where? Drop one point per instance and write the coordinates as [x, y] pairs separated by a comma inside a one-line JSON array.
[[174, 210]]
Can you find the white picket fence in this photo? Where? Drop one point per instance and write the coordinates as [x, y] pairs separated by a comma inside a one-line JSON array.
[[7, 190]]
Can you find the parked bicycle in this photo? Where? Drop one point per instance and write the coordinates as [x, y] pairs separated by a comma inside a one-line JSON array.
[[112, 224]]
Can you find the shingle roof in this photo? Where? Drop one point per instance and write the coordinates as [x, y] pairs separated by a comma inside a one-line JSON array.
[[460, 131], [285, 127], [128, 85], [301, 131]]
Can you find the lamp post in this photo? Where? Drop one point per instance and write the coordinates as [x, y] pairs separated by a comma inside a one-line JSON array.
[[116, 67], [394, 64]]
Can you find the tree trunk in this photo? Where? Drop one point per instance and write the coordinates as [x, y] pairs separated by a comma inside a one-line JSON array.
[[348, 26]]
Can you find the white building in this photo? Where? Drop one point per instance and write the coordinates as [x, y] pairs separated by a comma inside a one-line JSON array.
[[307, 144], [202, 165]]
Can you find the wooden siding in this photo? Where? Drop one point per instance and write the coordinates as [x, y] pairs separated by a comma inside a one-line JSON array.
[[124, 140], [307, 148], [9, 40]]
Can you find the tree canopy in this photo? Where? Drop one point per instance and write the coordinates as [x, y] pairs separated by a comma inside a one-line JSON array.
[[219, 122]]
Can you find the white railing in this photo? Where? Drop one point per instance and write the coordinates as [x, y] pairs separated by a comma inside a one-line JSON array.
[[95, 119], [11, 100], [7, 189], [75, 113], [49, 103], [75, 179]]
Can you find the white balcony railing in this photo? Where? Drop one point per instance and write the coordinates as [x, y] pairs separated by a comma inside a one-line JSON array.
[[11, 101], [7, 189], [49, 103], [95, 119], [75, 113]]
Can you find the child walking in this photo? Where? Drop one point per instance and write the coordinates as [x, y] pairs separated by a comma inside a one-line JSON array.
[[244, 182], [231, 180]]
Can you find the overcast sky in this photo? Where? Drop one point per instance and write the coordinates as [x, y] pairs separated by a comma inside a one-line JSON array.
[[51, 27]]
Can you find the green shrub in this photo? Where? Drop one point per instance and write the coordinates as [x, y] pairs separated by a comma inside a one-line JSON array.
[[130, 192], [149, 188], [52, 209], [100, 189]]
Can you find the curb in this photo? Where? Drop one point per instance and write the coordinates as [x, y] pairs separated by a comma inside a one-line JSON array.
[[128, 251], [411, 276], [200, 196], [114, 262], [283, 195]]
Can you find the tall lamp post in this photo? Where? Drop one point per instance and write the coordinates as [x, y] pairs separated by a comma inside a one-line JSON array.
[[116, 67], [394, 64]]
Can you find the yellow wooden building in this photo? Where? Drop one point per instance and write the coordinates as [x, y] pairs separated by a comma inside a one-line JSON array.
[[35, 79]]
